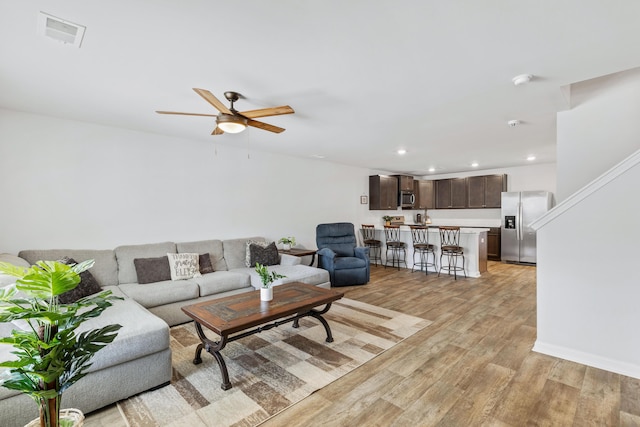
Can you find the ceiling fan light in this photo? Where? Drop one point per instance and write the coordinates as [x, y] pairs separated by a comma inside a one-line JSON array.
[[231, 124]]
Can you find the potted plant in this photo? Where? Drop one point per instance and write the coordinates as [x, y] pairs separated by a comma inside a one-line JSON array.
[[387, 220], [50, 355], [267, 277], [287, 242]]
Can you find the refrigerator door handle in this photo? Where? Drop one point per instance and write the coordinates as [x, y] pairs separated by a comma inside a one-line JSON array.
[[519, 224]]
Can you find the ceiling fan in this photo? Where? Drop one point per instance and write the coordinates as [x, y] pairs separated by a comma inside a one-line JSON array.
[[232, 121]]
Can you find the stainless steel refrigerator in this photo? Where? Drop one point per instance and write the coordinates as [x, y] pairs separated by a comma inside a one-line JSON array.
[[519, 209]]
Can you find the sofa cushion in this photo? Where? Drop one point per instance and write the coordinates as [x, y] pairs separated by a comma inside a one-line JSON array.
[[159, 293], [184, 265], [88, 285], [294, 273], [105, 269], [343, 263], [126, 254], [235, 251], [212, 247], [150, 270], [221, 281], [6, 279], [265, 255]]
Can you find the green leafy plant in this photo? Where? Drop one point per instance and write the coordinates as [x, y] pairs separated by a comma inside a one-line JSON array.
[[387, 218], [267, 277], [49, 355], [288, 241]]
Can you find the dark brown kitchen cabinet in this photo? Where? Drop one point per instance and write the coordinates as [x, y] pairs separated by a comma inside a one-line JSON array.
[[425, 194], [494, 244], [405, 182], [485, 191], [451, 193], [383, 192]]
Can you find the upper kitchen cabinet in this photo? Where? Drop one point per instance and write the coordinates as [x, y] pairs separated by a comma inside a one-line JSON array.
[[383, 192], [485, 191], [451, 193], [405, 182], [425, 194]]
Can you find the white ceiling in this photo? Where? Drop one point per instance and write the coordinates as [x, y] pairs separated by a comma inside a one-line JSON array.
[[365, 78]]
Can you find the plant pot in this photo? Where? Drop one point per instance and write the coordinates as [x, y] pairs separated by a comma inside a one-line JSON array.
[[286, 246], [266, 294], [74, 415]]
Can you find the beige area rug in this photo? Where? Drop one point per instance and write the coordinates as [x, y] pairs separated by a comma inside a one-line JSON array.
[[269, 371]]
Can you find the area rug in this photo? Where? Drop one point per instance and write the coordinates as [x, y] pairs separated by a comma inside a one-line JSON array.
[[269, 371]]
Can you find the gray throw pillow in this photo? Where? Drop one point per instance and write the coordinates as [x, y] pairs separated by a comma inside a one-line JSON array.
[[88, 285], [205, 264], [264, 255], [151, 270]]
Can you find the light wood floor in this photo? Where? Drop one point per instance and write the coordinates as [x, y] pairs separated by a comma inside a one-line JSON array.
[[473, 366]]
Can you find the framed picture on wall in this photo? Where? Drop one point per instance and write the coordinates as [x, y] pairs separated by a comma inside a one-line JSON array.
[[364, 200]]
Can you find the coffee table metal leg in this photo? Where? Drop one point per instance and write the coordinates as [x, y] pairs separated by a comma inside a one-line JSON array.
[[213, 348], [318, 315]]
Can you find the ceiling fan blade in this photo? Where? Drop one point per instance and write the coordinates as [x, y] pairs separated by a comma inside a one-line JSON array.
[[186, 114], [208, 96], [264, 112], [264, 126], [217, 131]]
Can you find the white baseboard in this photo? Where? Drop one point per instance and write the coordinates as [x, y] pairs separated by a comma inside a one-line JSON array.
[[616, 366]]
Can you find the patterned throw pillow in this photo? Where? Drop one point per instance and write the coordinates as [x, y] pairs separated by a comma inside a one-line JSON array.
[[264, 255], [88, 285], [184, 266], [247, 260], [151, 270]]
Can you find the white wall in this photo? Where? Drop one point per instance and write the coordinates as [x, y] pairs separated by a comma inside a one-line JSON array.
[[588, 280], [79, 185], [600, 129]]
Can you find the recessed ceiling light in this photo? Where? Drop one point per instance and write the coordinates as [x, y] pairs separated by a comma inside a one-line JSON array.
[[402, 151], [522, 79], [432, 169], [531, 158], [474, 164], [513, 123]]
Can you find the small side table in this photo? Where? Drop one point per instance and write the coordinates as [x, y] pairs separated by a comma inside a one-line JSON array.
[[300, 253]]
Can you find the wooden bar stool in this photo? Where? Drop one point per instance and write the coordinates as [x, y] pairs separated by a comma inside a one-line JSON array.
[[395, 245], [422, 247], [369, 240], [450, 246]]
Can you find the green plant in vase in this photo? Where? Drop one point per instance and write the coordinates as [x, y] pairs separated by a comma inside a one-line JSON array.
[[287, 242], [50, 355], [267, 277], [387, 219]]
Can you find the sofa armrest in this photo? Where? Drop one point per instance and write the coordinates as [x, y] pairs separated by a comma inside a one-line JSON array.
[[286, 259]]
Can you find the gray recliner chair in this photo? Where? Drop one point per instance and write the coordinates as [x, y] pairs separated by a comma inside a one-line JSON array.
[[337, 253]]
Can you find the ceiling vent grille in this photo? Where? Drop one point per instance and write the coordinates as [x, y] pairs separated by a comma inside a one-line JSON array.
[[58, 29]]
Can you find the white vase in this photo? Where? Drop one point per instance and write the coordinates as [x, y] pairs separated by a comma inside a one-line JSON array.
[[286, 246], [266, 294], [74, 415]]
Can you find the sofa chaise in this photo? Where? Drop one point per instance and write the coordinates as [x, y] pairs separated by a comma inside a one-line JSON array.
[[139, 359]]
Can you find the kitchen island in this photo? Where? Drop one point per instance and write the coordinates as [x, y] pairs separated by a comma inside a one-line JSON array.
[[472, 240]]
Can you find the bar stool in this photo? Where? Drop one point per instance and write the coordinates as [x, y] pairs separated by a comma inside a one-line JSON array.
[[421, 246], [395, 245], [369, 240], [450, 246]]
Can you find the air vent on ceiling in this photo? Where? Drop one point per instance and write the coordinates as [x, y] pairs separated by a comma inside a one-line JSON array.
[[60, 30]]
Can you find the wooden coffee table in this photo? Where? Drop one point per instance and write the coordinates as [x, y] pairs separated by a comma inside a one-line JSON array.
[[232, 317]]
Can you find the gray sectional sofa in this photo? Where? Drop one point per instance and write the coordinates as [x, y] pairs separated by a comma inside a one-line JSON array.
[[139, 359]]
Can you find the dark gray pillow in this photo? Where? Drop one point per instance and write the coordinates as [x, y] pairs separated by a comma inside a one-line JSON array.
[[88, 285], [267, 255], [151, 270], [205, 264]]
